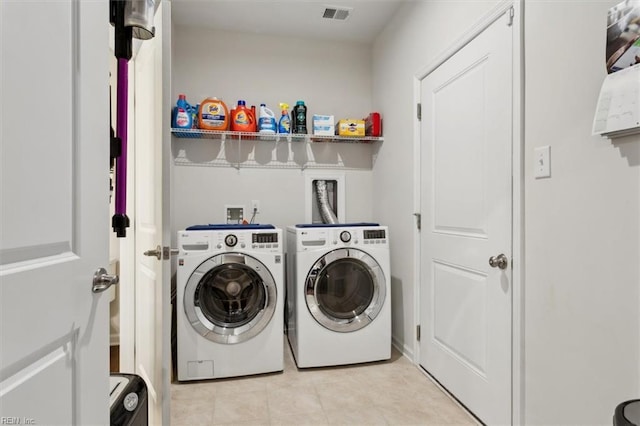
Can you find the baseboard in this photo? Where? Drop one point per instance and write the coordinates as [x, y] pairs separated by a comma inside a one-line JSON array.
[[403, 348]]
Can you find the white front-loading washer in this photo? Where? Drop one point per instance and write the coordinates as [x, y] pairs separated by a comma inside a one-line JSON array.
[[230, 301], [338, 294]]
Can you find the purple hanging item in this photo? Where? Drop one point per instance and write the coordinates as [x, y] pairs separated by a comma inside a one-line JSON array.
[[129, 18], [123, 50], [121, 132], [120, 221]]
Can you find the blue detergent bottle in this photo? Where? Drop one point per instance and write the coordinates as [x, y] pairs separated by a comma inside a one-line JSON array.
[[267, 120], [284, 125], [182, 117]]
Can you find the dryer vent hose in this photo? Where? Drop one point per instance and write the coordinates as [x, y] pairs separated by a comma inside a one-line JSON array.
[[326, 212]]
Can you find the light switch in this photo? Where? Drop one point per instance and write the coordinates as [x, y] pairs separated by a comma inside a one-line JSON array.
[[542, 168]]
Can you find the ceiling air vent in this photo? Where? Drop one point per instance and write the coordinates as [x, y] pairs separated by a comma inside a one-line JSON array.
[[339, 13]]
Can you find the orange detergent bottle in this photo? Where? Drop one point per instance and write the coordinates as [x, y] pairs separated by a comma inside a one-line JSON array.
[[243, 119], [213, 115]]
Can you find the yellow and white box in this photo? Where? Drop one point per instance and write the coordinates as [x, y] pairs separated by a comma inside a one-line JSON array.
[[323, 125], [350, 127]]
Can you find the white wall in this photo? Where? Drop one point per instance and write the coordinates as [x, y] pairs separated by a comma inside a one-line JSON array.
[[331, 77], [582, 226], [201, 194]]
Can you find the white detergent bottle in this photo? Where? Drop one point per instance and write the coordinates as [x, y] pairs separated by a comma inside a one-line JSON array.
[[267, 120]]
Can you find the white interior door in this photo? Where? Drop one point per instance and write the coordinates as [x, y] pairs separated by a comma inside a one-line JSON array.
[[151, 322], [466, 203], [54, 335]]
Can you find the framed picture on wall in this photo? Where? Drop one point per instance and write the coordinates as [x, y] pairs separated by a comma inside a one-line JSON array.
[[623, 36]]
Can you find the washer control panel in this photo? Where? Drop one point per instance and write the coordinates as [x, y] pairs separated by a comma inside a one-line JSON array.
[[194, 242], [258, 241]]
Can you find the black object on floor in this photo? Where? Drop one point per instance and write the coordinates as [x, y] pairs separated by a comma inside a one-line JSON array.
[[128, 400], [627, 413]]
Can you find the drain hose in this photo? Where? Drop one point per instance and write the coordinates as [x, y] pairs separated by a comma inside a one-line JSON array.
[[327, 214]]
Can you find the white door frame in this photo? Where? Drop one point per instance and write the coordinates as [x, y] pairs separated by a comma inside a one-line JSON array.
[[128, 245], [517, 185], [166, 210]]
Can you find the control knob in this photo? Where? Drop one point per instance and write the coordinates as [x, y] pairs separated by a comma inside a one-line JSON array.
[[345, 236], [231, 240]]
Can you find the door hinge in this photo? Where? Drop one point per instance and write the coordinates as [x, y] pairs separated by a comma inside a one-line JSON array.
[[418, 220], [512, 14], [419, 111], [418, 333]]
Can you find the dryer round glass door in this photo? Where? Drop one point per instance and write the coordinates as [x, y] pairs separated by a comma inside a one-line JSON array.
[[230, 298], [345, 290]]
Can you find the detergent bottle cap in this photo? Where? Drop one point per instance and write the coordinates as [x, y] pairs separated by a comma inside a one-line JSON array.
[[263, 105], [284, 107], [241, 103], [300, 103], [181, 96]]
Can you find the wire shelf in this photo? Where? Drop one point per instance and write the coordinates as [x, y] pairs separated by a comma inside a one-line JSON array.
[[241, 150], [277, 137]]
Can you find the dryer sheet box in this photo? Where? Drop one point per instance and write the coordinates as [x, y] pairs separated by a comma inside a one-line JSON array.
[[323, 125], [350, 127]]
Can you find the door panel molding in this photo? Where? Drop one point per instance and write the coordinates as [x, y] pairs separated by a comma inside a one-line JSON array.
[[48, 105], [474, 311], [40, 253], [499, 10]]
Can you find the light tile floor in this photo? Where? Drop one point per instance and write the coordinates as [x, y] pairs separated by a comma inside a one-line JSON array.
[[393, 392]]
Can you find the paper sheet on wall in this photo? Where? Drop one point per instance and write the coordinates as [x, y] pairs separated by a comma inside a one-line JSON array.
[[618, 110]]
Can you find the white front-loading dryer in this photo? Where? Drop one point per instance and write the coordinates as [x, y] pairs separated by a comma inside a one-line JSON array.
[[338, 294], [230, 301]]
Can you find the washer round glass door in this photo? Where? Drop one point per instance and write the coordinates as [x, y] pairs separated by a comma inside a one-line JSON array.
[[230, 298], [345, 290]]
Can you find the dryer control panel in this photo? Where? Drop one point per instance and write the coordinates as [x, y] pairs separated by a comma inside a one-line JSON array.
[[315, 238]]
